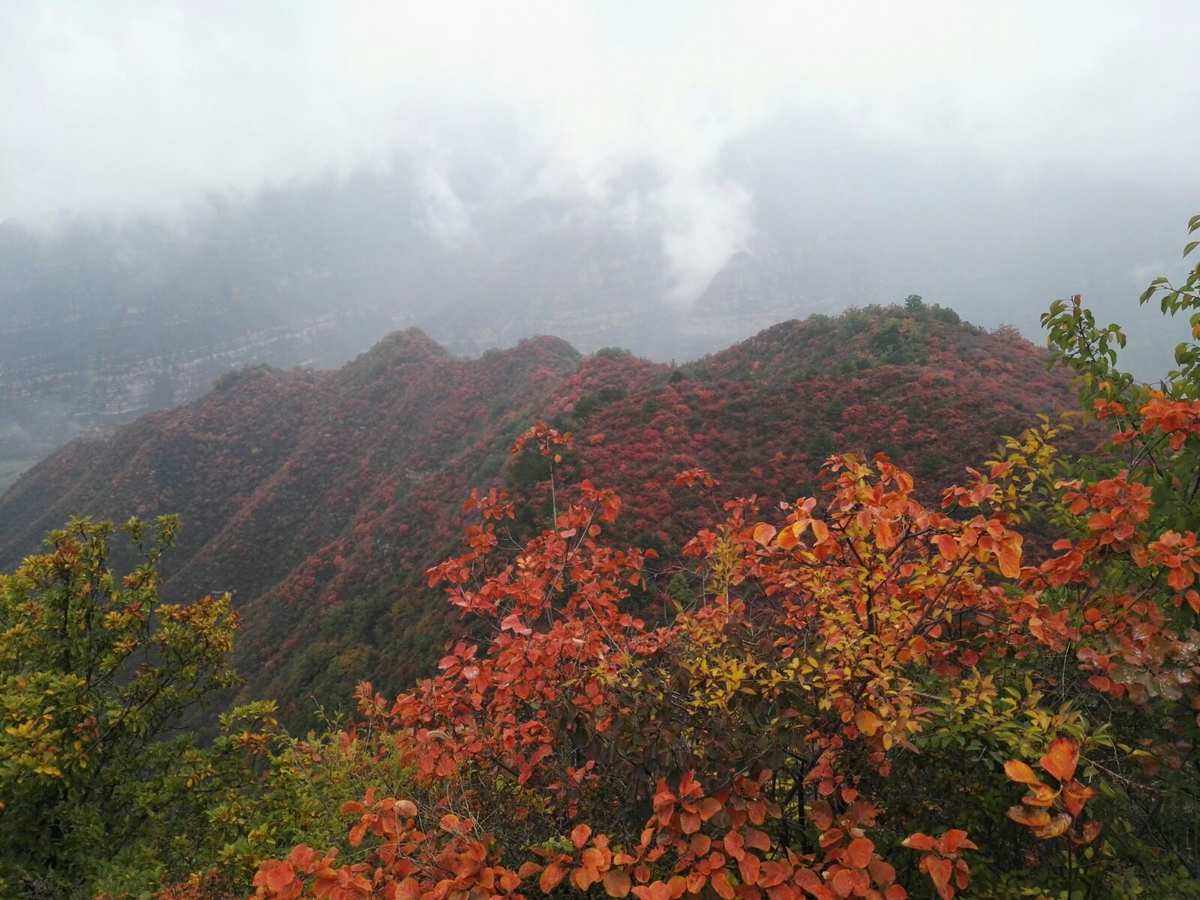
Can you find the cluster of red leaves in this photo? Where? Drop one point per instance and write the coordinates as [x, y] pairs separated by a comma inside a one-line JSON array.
[[1051, 812], [548, 441], [815, 629], [1175, 420], [942, 860], [508, 705], [1125, 639], [405, 861], [542, 700], [708, 842]]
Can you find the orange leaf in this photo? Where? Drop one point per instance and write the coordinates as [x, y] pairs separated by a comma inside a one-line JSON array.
[[1020, 772], [748, 868], [947, 546], [734, 845], [758, 840], [552, 877], [885, 537], [584, 877], [1058, 825], [1009, 555], [1040, 795], [616, 883], [882, 872], [821, 814], [820, 530], [939, 871], [858, 853], [1034, 818], [580, 835], [275, 874], [1062, 757], [954, 840], [918, 841], [763, 533], [842, 882], [720, 884], [868, 723]]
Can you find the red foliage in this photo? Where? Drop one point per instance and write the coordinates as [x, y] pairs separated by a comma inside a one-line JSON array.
[[305, 492]]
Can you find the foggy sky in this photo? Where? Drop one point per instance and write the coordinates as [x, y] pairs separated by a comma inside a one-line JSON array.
[[121, 107]]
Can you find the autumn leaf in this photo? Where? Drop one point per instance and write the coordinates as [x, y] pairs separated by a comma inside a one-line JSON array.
[[617, 883], [947, 546], [763, 533], [275, 875], [1009, 555], [1033, 818], [1055, 827], [1075, 796], [1020, 772], [940, 871], [1061, 758], [919, 841], [954, 840], [858, 853], [721, 884], [868, 723], [552, 876]]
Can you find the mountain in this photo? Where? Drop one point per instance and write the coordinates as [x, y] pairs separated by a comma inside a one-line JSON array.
[[105, 320], [320, 497]]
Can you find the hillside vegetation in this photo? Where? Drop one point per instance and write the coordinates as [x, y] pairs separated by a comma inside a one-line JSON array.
[[318, 499], [793, 621], [748, 673]]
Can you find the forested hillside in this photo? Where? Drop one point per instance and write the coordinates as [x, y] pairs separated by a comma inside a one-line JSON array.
[[319, 499], [796, 620]]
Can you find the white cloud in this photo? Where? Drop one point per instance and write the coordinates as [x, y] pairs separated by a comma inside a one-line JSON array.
[[124, 105]]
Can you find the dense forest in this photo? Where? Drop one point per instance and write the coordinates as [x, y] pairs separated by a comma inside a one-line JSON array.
[[877, 605]]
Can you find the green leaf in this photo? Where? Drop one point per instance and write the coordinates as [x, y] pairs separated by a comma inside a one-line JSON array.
[[1190, 247]]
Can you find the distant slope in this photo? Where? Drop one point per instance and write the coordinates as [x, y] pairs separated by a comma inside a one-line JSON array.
[[104, 322], [320, 498]]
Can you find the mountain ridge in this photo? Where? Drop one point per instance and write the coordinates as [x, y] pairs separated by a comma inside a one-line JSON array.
[[319, 498]]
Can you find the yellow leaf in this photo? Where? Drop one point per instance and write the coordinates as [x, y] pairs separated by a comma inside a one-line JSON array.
[[868, 723]]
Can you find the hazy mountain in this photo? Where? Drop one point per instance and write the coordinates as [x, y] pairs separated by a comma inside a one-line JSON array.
[[106, 319]]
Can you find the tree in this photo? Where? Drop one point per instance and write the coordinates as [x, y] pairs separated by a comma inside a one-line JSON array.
[[96, 673]]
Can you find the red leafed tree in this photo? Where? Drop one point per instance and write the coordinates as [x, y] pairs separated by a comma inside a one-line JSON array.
[[839, 700], [746, 742]]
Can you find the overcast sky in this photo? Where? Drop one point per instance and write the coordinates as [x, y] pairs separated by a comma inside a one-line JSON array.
[[118, 104], [122, 106]]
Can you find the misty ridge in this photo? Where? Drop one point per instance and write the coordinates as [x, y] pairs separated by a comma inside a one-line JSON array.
[[477, 238]]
